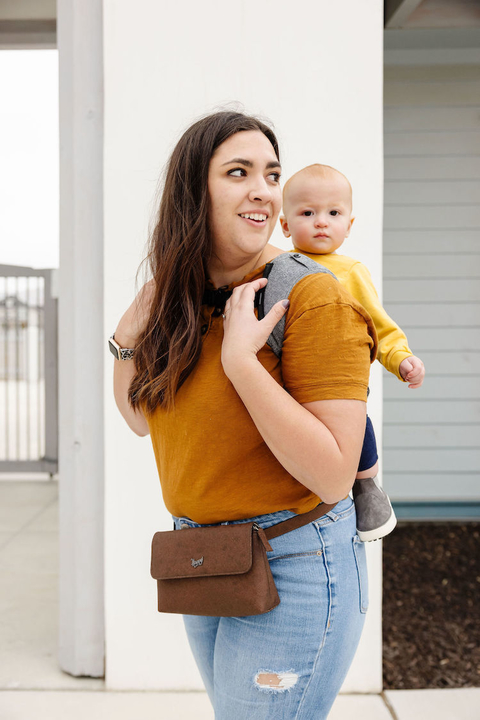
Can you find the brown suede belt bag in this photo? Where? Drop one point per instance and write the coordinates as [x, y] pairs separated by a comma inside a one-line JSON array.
[[221, 570]]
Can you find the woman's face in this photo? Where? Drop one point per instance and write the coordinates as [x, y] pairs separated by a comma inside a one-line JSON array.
[[245, 196]]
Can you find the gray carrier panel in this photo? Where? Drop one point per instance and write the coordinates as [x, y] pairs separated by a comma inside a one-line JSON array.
[[287, 270]]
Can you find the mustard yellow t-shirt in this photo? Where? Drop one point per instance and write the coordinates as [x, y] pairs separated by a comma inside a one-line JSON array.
[[212, 462]]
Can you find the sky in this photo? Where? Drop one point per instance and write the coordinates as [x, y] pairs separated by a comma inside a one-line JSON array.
[[29, 152]]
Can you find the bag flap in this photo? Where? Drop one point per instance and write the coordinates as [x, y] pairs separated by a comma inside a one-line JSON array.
[[202, 552]]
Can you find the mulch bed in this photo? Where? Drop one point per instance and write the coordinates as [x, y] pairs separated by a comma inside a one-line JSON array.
[[431, 606]]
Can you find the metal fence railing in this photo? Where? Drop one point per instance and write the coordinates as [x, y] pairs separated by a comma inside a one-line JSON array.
[[28, 370]]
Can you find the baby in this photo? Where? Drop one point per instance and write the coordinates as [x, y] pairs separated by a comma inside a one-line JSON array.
[[317, 207]]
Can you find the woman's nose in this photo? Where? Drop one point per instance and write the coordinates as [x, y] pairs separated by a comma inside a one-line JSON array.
[[260, 191]]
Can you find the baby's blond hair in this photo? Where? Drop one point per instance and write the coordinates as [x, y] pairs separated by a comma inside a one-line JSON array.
[[316, 170]]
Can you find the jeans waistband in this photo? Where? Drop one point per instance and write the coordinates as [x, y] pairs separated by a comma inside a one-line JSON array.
[[263, 520]]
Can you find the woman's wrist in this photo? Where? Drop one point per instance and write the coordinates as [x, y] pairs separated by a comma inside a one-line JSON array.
[[240, 367], [124, 338]]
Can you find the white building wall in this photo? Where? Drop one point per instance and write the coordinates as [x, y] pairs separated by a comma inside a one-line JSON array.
[[315, 69]]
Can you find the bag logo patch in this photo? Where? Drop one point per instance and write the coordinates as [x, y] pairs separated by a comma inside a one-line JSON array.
[[197, 563]]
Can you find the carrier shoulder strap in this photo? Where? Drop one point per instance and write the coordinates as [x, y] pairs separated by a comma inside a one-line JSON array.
[[283, 273]]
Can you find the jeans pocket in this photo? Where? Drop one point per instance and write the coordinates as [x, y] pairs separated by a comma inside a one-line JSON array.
[[361, 563]]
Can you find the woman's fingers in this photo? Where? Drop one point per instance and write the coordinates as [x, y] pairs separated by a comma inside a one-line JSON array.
[[274, 316], [246, 293]]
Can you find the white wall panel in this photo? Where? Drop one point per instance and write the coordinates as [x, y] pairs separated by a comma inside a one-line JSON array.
[[166, 64]]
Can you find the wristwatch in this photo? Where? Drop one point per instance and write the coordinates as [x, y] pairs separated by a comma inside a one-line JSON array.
[[118, 352]]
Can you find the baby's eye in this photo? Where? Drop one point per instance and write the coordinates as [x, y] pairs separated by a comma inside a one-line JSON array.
[[334, 213], [307, 213], [237, 172]]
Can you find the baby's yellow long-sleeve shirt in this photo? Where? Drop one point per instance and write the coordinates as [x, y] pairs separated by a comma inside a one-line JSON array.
[[355, 277]]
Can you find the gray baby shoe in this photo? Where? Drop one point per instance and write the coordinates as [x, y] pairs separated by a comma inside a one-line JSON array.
[[375, 516]]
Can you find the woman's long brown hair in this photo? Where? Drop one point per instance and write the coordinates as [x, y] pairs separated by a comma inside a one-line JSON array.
[[179, 249]]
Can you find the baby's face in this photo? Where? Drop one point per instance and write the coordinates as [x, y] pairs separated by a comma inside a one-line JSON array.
[[317, 212]]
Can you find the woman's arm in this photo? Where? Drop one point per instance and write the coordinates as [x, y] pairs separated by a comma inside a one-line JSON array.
[[126, 335], [318, 443]]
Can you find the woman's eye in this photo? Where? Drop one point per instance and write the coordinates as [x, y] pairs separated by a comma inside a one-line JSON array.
[[237, 172], [334, 213], [275, 176]]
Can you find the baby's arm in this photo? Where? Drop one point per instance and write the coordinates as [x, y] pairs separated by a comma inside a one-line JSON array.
[[393, 351], [412, 370]]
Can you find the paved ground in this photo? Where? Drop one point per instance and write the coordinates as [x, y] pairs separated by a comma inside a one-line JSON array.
[[32, 687]]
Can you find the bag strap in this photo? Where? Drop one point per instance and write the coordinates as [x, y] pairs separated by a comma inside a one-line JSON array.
[[298, 521]]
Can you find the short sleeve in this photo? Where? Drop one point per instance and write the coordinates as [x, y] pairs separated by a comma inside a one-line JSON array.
[[329, 343]]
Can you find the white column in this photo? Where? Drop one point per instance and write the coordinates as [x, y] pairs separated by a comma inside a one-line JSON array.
[[315, 69], [81, 338]]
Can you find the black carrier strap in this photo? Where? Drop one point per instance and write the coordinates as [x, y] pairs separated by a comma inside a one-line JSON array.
[[283, 273]]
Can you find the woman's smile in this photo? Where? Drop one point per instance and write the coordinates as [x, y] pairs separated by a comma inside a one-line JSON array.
[[258, 219]]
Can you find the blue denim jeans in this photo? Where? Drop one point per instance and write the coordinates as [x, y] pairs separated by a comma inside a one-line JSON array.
[[290, 662]]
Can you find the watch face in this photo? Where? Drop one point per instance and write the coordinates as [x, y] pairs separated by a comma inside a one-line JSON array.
[[113, 348]]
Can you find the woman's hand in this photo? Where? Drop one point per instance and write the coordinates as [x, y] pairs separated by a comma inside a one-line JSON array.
[[244, 335]]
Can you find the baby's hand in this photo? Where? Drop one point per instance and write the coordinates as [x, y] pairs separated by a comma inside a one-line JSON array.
[[412, 371]]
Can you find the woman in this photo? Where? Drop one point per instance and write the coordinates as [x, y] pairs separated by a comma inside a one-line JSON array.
[[239, 435]]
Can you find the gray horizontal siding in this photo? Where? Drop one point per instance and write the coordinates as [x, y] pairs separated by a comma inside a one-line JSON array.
[[426, 217], [433, 437], [450, 363], [434, 193], [429, 242], [434, 94], [432, 289], [453, 487], [434, 266], [451, 143], [432, 168], [430, 315], [417, 119], [443, 460], [432, 279], [434, 388], [418, 411]]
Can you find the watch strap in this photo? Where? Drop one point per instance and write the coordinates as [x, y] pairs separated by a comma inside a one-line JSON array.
[[118, 352]]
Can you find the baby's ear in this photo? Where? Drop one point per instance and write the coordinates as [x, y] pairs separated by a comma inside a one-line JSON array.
[[350, 226], [284, 224]]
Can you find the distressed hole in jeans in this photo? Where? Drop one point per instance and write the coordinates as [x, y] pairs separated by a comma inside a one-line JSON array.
[[272, 682]]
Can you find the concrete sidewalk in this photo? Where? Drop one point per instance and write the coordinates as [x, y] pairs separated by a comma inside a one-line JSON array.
[[32, 687]]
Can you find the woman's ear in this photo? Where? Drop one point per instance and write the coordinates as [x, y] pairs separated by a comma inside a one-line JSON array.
[[284, 224]]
